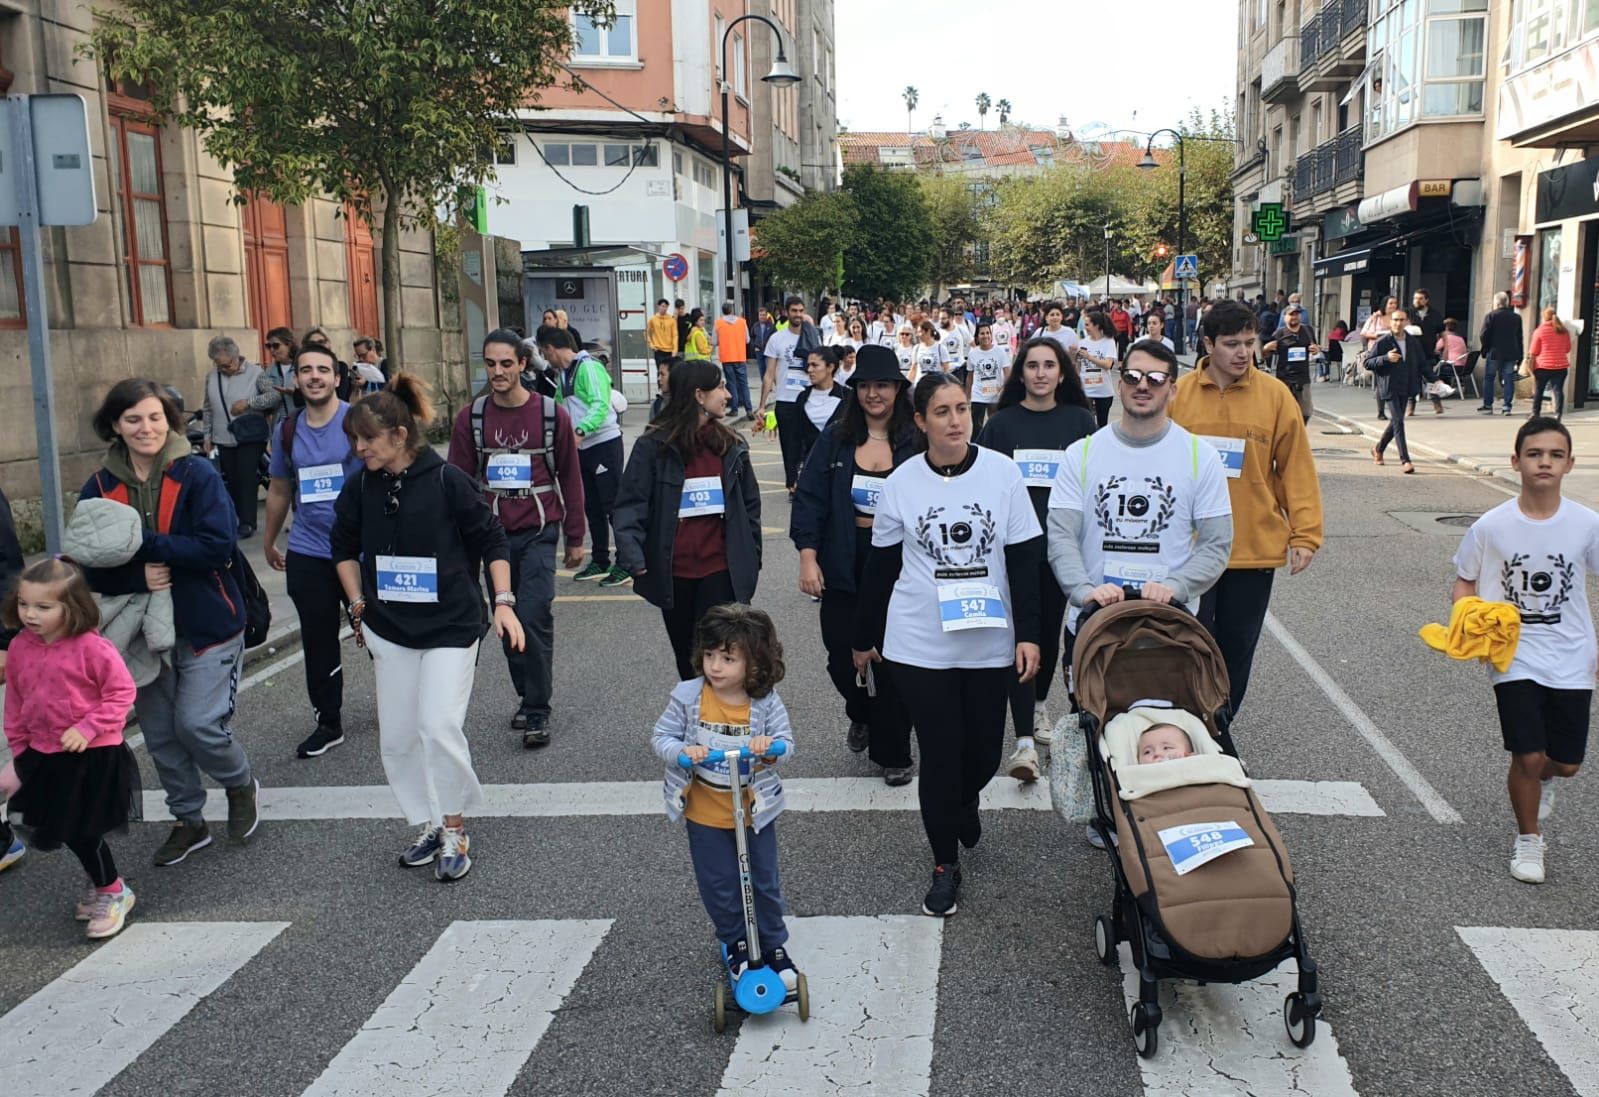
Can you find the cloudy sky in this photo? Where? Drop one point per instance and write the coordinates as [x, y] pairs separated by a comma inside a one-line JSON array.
[[1048, 58]]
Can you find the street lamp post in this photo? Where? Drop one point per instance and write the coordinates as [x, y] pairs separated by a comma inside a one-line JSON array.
[[1147, 163], [781, 76], [1107, 264]]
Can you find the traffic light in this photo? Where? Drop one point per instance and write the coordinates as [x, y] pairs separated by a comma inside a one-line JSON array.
[[1160, 251]]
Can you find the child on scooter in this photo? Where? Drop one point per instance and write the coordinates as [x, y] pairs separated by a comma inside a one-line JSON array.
[[732, 704]]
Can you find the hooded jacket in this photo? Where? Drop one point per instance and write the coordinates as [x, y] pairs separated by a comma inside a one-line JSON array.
[[106, 534], [189, 525], [823, 517], [675, 730]]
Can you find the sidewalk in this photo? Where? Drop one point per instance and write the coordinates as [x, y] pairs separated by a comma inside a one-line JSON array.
[[1464, 436]]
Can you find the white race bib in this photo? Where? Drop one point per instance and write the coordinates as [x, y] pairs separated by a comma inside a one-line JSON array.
[[408, 579], [702, 496], [1195, 844], [866, 490], [1297, 354], [1126, 569], [321, 483], [1232, 454], [970, 605], [794, 382], [1039, 466], [510, 472], [985, 390]]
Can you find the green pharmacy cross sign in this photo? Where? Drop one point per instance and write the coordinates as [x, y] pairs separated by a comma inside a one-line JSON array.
[[1270, 222]]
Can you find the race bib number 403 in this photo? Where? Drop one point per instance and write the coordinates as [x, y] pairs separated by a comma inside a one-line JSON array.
[[964, 606], [408, 579], [702, 496]]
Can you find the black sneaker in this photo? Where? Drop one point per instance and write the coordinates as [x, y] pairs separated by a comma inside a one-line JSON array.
[[519, 722], [971, 826], [320, 741], [859, 736], [940, 901], [242, 815], [737, 958], [184, 840], [537, 733], [778, 960]]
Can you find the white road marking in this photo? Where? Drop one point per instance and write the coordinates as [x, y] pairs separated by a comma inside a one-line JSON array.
[[1430, 798], [468, 1015], [1549, 975], [1219, 1040], [874, 997], [86, 1027], [805, 794]]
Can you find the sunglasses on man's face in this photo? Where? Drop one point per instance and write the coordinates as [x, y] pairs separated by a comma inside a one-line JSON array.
[[273, 346], [1135, 377]]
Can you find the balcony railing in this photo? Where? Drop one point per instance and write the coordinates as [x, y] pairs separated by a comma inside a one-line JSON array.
[[1310, 43], [1328, 28], [1353, 15], [1349, 163], [1330, 164]]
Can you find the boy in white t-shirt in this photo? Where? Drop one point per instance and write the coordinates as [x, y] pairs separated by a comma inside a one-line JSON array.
[[1536, 552]]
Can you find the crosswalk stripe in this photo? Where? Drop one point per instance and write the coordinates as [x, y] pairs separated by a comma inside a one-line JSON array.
[[468, 1015], [86, 1027], [1548, 976], [1223, 1040], [874, 995], [805, 794]]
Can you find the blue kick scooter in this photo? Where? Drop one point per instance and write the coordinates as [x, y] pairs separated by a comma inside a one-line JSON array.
[[760, 989]]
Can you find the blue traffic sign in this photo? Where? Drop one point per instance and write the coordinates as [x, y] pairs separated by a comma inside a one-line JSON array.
[[1187, 266], [675, 267]]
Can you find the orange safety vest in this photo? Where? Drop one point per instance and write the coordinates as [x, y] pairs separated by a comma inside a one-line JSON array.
[[732, 339], [168, 506]]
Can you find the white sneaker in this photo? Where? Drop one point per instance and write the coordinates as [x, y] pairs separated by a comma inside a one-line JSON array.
[[1043, 733], [1099, 843], [1023, 765], [1546, 798], [1526, 858]]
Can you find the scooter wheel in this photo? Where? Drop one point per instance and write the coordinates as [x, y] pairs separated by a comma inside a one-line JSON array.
[[802, 992], [719, 1011]]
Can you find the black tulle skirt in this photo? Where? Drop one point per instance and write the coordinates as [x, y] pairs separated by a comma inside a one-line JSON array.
[[76, 797]]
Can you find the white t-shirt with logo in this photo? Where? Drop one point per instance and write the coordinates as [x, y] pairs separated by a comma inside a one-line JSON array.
[[1140, 503], [907, 359], [951, 605], [1097, 380], [1004, 334], [988, 373], [1066, 338], [1541, 568], [931, 359], [954, 341], [791, 376]]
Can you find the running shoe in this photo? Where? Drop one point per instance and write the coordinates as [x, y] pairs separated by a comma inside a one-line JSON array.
[[779, 962], [590, 572], [85, 908], [940, 900], [1526, 858], [1043, 731], [1546, 798], [14, 853], [320, 741], [455, 858], [895, 776], [537, 733], [424, 849], [184, 840], [616, 577], [243, 817], [1023, 765], [737, 958], [110, 914], [1099, 843], [859, 737]]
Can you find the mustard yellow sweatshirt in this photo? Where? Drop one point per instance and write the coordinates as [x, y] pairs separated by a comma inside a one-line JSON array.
[[1275, 494]]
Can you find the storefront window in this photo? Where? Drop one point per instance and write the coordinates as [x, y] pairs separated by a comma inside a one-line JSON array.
[[1548, 269]]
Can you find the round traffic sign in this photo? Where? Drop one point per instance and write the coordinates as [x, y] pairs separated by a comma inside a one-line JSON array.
[[675, 267]]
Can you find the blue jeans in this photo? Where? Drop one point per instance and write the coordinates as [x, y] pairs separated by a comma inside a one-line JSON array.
[[715, 857], [738, 385], [1506, 373]]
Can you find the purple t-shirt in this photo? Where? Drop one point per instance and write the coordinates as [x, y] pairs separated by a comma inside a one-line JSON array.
[[323, 461]]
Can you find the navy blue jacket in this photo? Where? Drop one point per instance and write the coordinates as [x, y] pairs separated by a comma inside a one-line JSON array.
[[823, 517], [206, 604], [1400, 380]]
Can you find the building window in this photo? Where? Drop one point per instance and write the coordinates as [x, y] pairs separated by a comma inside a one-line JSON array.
[[557, 154], [617, 156], [10, 255], [741, 77], [505, 151], [597, 42], [716, 45], [1427, 61], [136, 168], [581, 155], [1542, 29], [585, 156]]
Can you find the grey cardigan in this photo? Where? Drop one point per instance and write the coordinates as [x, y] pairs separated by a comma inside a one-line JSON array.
[[674, 730]]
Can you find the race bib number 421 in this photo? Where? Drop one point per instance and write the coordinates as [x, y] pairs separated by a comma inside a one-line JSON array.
[[408, 579]]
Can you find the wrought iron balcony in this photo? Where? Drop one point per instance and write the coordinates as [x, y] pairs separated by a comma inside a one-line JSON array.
[[1352, 15], [1330, 165], [1349, 162], [1311, 43]]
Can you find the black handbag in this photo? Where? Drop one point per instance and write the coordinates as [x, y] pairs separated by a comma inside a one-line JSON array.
[[248, 429]]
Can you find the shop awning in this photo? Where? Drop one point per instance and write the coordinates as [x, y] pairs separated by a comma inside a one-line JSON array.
[[1374, 257]]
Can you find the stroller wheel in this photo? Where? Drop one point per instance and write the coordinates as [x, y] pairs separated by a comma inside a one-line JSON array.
[[802, 994], [1105, 940], [719, 1010], [1146, 1025], [1298, 1020]]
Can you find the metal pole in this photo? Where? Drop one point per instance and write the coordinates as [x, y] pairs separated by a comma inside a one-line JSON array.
[[33, 291], [1107, 266], [1182, 239], [727, 190]]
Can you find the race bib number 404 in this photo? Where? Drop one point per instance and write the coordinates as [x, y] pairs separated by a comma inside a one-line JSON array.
[[408, 579], [964, 606], [1195, 844], [510, 472]]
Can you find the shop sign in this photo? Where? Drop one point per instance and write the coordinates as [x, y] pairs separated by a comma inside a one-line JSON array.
[[1341, 222], [1434, 188], [1571, 190]]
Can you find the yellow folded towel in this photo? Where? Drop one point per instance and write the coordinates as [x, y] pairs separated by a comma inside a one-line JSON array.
[[1478, 629]]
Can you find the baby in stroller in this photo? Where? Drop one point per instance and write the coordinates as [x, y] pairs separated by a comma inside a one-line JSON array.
[[1204, 888]]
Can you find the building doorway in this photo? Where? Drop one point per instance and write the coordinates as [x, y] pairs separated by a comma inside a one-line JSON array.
[[266, 267], [360, 268], [1587, 385]]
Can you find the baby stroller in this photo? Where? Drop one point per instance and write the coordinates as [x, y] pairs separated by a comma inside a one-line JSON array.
[[1229, 919]]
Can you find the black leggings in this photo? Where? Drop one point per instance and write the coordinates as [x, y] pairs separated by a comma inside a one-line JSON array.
[[1051, 614], [318, 599], [95, 857], [884, 715], [959, 715], [1234, 611], [791, 439], [691, 600], [1554, 380], [238, 465]]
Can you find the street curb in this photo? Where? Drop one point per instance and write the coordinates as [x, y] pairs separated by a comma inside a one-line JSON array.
[[1496, 471], [278, 643]]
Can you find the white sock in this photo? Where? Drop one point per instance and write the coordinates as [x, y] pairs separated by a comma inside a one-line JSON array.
[[1024, 742]]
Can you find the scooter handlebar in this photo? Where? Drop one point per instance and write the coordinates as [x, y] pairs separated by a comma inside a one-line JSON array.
[[778, 749]]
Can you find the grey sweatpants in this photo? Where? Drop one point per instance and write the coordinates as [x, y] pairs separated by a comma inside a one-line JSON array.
[[184, 715]]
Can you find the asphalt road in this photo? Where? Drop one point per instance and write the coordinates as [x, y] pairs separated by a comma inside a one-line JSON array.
[[1009, 1001]]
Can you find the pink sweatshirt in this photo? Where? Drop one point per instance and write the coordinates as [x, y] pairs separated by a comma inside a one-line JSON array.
[[77, 682]]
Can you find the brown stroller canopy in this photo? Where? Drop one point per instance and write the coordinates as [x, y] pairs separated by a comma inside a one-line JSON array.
[[1137, 650]]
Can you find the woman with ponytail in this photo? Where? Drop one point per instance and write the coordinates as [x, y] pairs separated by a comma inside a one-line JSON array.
[[1550, 354], [409, 537], [688, 515]]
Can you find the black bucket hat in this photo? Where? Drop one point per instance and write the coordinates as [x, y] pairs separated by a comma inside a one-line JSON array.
[[876, 363]]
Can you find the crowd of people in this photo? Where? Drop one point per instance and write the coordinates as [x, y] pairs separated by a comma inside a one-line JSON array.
[[960, 495]]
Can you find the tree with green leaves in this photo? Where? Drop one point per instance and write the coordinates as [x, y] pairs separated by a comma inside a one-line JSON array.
[[952, 212], [891, 254], [803, 246], [983, 103], [912, 97], [393, 108]]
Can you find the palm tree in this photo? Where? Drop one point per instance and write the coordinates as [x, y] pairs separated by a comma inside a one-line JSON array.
[[983, 103], [1004, 108], [911, 96]]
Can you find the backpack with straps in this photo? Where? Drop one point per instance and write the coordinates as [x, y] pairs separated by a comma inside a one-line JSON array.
[[546, 450]]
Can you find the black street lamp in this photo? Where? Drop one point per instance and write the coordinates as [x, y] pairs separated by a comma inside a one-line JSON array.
[[1107, 264], [781, 76], [1147, 163]]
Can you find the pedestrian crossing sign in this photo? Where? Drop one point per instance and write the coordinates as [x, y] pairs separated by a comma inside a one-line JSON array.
[[1187, 267]]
